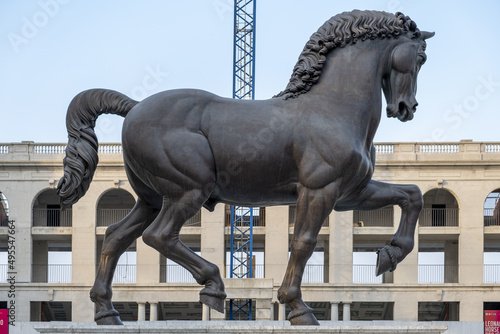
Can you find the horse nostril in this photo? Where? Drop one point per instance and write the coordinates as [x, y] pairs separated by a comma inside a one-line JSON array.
[[415, 106], [401, 106]]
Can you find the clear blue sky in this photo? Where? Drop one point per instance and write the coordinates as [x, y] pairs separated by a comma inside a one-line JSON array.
[[53, 49]]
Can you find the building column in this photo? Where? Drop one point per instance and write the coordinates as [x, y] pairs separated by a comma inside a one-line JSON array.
[[20, 211], [153, 311], [281, 312], [326, 261], [406, 306], [82, 308], [263, 309], [341, 257], [406, 271], [217, 316], [83, 245], [205, 312], [148, 264], [40, 261], [471, 241], [276, 248], [141, 311], [347, 312], [470, 309], [212, 246], [334, 311], [83, 250], [451, 261]]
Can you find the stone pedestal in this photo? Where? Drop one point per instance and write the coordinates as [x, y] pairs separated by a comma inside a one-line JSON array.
[[237, 327]]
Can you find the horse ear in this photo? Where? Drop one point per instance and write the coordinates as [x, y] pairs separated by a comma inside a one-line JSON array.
[[426, 35]]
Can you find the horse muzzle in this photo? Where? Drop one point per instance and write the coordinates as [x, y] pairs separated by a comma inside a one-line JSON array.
[[403, 111]]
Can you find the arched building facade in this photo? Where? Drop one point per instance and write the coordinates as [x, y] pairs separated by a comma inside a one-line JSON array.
[[452, 274]]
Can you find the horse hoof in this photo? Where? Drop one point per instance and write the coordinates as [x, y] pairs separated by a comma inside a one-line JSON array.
[[385, 260], [302, 318], [213, 299], [109, 317]]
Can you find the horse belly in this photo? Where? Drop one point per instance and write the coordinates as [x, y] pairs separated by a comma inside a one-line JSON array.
[[257, 182]]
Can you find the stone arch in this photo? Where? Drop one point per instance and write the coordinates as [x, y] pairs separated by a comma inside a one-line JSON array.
[[46, 210], [491, 208], [441, 208], [113, 205], [4, 209]]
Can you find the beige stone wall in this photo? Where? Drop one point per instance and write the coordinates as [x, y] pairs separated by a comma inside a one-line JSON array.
[[468, 171]]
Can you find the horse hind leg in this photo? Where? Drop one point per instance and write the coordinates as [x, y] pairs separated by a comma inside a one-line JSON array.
[[163, 235], [118, 238], [313, 206]]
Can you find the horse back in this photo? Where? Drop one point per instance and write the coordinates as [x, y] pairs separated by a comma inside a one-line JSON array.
[[247, 144]]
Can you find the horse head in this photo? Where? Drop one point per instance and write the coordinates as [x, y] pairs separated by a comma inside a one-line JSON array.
[[400, 82]]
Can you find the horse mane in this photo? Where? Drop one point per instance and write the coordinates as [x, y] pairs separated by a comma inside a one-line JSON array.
[[341, 30]]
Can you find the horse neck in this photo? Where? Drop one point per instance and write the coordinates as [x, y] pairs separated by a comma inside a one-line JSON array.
[[351, 84]]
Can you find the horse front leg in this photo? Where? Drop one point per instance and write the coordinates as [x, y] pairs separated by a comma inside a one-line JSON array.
[[377, 195], [313, 206], [118, 238]]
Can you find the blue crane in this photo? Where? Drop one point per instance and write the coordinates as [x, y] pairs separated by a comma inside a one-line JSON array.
[[241, 261]]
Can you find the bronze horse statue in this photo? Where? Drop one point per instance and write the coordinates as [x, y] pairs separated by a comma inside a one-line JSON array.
[[309, 146]]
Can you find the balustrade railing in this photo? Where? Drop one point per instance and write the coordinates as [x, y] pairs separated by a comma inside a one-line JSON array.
[[125, 273], [4, 149], [384, 148], [52, 217], [258, 219], [110, 149], [194, 221], [51, 273], [106, 217], [174, 273], [314, 273], [491, 273], [438, 217], [437, 274], [492, 148], [49, 148], [382, 218], [365, 274], [258, 271], [3, 273], [380, 148], [490, 219], [438, 148]]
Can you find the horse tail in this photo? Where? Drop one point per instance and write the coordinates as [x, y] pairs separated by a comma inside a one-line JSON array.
[[81, 158]]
